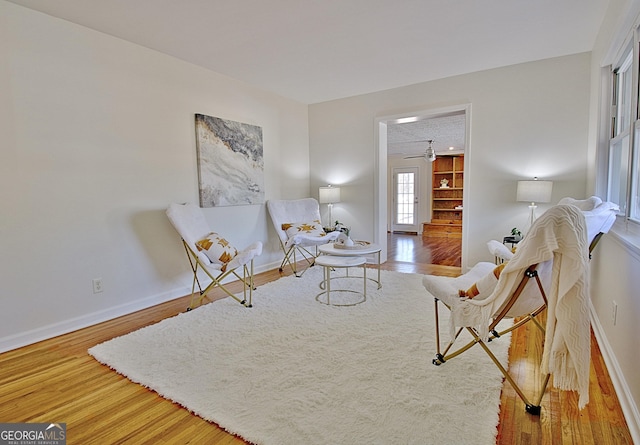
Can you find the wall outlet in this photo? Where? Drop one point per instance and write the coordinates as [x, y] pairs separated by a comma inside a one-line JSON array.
[[97, 285], [614, 312]]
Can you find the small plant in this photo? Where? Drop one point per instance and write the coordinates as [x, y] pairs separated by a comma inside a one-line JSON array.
[[340, 227], [515, 232]]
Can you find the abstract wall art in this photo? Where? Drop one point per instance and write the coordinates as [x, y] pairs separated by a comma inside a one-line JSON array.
[[230, 162]]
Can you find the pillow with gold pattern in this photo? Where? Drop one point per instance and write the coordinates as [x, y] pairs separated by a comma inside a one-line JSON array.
[[484, 286], [313, 228], [217, 249]]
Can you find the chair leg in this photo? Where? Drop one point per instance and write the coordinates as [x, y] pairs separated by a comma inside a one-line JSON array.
[[291, 259]]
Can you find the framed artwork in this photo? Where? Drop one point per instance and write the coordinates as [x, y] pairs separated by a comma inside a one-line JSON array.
[[230, 162]]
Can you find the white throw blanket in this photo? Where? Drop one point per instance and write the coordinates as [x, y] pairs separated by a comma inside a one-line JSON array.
[[560, 236]]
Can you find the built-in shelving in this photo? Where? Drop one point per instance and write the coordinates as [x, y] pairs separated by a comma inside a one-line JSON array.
[[446, 197]]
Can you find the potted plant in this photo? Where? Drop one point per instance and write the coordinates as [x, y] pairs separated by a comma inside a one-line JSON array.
[[344, 235], [516, 234]]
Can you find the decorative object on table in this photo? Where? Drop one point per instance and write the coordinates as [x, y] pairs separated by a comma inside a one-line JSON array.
[[533, 192], [329, 195], [513, 239], [355, 245], [444, 183], [307, 373], [230, 162], [344, 238]]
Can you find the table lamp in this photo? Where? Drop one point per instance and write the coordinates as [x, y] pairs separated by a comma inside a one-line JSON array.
[[533, 192], [329, 195]]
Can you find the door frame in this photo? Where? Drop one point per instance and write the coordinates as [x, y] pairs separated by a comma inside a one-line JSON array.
[[380, 205]]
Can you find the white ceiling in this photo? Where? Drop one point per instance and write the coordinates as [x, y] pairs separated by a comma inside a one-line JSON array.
[[411, 138], [318, 50]]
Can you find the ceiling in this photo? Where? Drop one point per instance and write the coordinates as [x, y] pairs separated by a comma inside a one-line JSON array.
[[411, 138], [318, 50]]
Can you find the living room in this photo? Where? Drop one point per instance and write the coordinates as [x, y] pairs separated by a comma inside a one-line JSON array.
[[99, 139]]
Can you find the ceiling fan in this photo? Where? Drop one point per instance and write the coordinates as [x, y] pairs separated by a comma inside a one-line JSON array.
[[429, 154]]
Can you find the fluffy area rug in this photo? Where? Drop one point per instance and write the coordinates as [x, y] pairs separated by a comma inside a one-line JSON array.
[[291, 370]]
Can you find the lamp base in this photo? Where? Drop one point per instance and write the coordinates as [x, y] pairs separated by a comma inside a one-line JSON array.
[[532, 211]]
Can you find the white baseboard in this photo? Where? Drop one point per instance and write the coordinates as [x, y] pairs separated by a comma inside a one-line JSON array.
[[73, 324], [629, 406]]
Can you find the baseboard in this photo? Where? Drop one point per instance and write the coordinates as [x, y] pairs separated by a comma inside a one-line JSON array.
[[73, 324], [629, 406]]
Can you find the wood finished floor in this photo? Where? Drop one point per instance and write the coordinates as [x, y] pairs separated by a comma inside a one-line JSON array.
[[57, 381]]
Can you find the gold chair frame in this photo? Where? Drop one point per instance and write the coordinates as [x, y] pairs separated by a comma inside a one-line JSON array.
[[290, 258], [216, 280], [443, 356]]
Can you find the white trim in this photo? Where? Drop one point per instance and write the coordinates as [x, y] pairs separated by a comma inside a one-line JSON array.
[[380, 170], [629, 408], [64, 327], [47, 332]]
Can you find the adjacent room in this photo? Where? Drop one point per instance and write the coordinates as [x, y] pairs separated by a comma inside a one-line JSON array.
[[414, 128]]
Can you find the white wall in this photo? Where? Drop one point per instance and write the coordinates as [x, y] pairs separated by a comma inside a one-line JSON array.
[[616, 262], [525, 120], [97, 138]]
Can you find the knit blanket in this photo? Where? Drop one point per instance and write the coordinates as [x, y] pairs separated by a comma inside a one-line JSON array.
[[557, 239]]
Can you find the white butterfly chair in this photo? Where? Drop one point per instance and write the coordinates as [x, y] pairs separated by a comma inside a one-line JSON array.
[[190, 223], [299, 228], [555, 254]]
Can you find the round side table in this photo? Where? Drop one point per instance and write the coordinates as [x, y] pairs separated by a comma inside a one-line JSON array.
[[329, 262]]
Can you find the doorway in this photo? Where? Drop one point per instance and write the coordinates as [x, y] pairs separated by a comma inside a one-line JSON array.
[[412, 146]]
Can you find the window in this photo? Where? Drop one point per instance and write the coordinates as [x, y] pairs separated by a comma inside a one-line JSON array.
[[624, 143]]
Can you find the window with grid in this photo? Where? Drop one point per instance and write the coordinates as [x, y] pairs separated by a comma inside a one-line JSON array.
[[624, 142], [406, 190]]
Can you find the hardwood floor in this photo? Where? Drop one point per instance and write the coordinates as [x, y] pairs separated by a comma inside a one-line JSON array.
[[57, 381], [432, 250]]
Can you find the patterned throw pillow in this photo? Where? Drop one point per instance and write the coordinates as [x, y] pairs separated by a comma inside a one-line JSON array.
[[313, 228], [485, 285], [217, 249]]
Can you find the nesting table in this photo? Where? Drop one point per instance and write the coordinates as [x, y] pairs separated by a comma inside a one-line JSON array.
[[330, 262], [361, 249]]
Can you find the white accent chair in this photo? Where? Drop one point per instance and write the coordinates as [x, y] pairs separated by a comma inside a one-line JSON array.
[[191, 225], [298, 211]]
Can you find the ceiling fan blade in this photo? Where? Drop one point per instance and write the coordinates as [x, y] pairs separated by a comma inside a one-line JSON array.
[[414, 157]]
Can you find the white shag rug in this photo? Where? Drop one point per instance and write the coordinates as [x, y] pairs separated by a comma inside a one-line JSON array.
[[294, 371]]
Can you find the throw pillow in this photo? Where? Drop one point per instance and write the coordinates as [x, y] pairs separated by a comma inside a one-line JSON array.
[[217, 249], [313, 228], [484, 286]]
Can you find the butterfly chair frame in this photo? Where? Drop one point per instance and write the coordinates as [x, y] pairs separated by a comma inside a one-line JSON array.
[[217, 280], [190, 223], [444, 355], [291, 255]]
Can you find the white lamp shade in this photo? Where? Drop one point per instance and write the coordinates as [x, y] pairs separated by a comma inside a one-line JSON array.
[[329, 195], [534, 191]]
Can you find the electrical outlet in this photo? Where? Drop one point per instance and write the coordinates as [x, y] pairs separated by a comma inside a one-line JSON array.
[[97, 285], [614, 312]]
